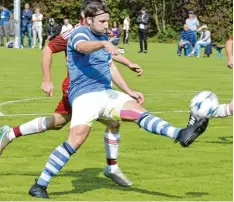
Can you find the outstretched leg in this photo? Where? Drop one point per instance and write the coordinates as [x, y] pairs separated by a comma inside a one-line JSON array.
[[132, 111]]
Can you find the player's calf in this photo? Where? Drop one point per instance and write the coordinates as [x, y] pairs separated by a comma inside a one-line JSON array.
[[156, 125]]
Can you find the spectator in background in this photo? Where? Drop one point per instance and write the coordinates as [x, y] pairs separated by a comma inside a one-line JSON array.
[[187, 41], [204, 41], [26, 25], [37, 27], [193, 23], [115, 34], [126, 28], [52, 30], [6, 16], [143, 21], [66, 25]]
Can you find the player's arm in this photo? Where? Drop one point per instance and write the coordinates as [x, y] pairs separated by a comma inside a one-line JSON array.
[[229, 52], [125, 61], [47, 85], [92, 46], [56, 45], [120, 82], [80, 41]]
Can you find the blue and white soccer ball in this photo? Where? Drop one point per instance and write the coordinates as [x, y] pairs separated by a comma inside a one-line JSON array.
[[204, 105]]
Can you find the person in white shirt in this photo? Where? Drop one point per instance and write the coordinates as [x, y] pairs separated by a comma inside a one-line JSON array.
[[204, 41], [193, 23], [37, 27], [67, 26], [126, 28]]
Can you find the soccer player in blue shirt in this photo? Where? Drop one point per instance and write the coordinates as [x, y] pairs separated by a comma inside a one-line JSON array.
[[92, 97], [6, 15]]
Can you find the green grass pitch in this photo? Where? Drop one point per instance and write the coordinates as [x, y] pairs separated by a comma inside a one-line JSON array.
[[160, 169]]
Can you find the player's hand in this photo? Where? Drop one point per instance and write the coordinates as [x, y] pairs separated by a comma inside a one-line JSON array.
[[109, 47], [138, 96], [48, 88], [136, 68], [230, 63]]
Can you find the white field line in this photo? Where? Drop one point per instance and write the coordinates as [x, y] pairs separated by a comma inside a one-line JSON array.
[[23, 100]]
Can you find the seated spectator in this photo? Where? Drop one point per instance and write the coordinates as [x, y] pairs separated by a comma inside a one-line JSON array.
[[187, 40], [204, 41], [115, 34], [66, 25], [52, 30]]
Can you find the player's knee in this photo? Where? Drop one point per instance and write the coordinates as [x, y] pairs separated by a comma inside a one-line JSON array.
[[57, 122], [78, 135], [114, 124]]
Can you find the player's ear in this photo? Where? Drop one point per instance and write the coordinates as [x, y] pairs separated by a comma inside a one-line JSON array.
[[89, 20]]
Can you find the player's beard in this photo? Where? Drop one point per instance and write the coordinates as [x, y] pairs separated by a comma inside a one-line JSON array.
[[100, 33]]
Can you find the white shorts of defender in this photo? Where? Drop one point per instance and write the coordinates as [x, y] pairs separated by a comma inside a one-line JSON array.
[[87, 108]]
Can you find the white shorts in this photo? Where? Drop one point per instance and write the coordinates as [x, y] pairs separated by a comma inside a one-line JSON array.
[[87, 108]]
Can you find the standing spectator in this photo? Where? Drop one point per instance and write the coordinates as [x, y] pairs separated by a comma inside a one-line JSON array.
[[52, 30], [4, 24], [126, 28], [37, 27], [66, 25], [143, 21], [26, 25], [187, 41], [115, 34], [204, 41], [193, 23]]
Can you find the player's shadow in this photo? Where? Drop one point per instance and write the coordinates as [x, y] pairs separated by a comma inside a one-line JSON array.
[[89, 180], [221, 140], [197, 194]]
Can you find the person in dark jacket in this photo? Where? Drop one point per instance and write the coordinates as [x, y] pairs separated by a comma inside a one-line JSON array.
[[52, 30], [187, 41], [26, 25], [143, 25]]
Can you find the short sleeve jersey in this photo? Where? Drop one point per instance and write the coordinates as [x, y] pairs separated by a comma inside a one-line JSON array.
[[88, 72]]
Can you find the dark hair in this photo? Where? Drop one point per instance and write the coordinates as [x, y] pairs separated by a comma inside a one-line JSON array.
[[92, 9], [87, 2], [3, 5]]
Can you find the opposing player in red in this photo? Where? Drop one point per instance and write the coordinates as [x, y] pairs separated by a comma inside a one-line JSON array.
[[62, 113]]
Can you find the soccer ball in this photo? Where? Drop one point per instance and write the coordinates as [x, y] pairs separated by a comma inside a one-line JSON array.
[[204, 105]]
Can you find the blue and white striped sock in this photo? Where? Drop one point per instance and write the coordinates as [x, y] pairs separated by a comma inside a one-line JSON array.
[[158, 126], [56, 162]]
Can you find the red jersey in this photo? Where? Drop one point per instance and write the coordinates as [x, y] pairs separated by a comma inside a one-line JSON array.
[[59, 44]]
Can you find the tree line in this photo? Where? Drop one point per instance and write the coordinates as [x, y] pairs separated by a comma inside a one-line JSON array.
[[166, 16]]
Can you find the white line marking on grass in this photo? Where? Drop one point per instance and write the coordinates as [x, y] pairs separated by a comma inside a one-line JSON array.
[[24, 100], [1, 114], [36, 114]]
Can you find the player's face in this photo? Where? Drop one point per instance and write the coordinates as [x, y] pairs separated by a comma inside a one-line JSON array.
[[100, 24]]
